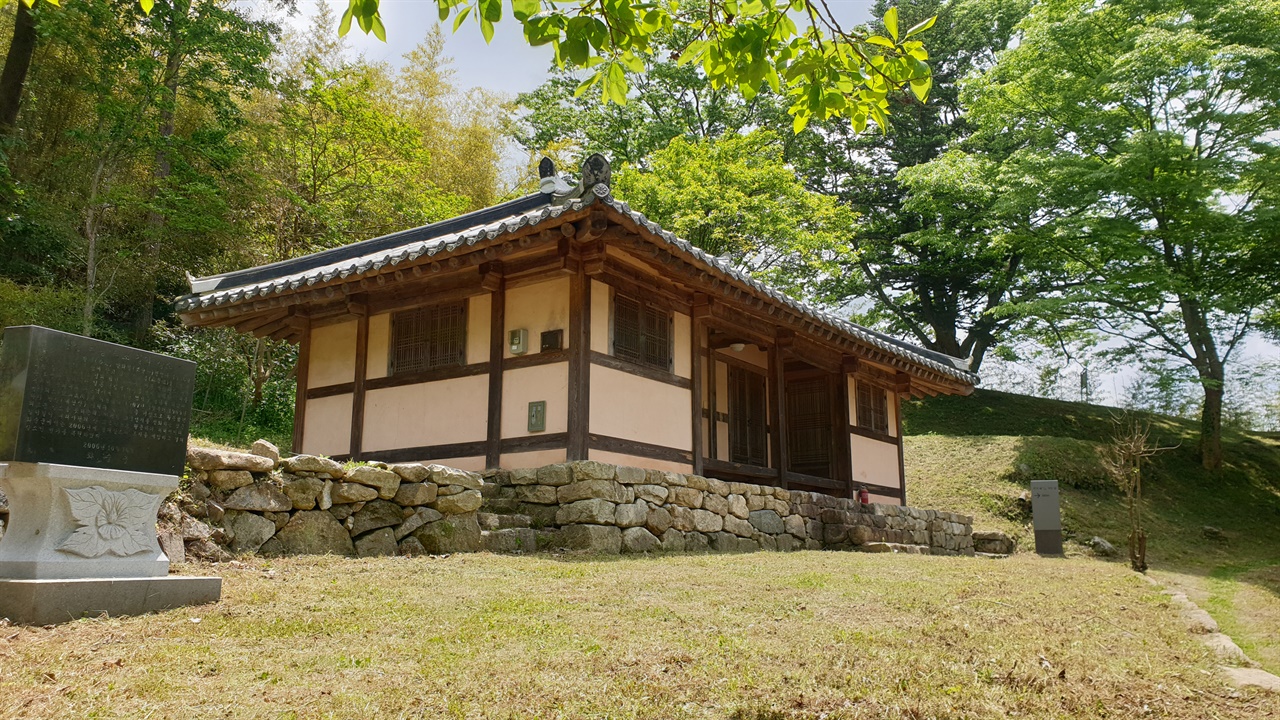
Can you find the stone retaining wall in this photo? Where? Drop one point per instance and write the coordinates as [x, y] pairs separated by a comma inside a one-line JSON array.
[[313, 505]]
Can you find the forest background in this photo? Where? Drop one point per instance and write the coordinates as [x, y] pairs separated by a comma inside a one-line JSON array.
[[1085, 207]]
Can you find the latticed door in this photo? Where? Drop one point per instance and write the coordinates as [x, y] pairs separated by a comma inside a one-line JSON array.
[[809, 426], [748, 433]]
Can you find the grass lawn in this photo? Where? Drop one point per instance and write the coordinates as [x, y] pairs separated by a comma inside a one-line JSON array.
[[760, 636], [977, 454]]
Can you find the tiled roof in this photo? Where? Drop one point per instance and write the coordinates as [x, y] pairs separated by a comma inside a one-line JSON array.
[[491, 223]]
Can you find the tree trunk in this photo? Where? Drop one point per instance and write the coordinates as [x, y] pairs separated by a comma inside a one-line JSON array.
[[1211, 423], [91, 250], [16, 64], [167, 107]]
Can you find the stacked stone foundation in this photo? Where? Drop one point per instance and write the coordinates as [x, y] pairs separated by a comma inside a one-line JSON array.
[[314, 505]]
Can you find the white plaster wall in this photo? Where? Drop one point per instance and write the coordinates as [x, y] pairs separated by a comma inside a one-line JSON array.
[[640, 462], [333, 354], [536, 308], [379, 346], [874, 462], [532, 459], [525, 385], [326, 429], [435, 413], [635, 408], [479, 316]]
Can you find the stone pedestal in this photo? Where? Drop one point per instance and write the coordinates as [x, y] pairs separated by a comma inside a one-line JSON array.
[[45, 602], [82, 541]]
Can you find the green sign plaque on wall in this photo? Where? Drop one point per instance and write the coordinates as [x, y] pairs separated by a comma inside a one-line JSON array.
[[538, 416]]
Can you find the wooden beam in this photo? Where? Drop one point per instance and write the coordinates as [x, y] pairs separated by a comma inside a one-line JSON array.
[[300, 395], [497, 346], [579, 365], [644, 371], [902, 383], [623, 446]]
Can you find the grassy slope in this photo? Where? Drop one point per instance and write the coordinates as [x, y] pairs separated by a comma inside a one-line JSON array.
[[977, 454], [764, 636]]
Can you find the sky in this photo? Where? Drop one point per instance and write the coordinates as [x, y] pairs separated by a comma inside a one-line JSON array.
[[508, 64]]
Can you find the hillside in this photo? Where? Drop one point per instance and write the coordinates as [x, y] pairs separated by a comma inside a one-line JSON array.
[[978, 455]]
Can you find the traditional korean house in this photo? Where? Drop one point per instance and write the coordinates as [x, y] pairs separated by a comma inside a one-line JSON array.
[[565, 326]]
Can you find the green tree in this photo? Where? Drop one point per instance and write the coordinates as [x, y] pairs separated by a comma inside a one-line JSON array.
[[463, 132], [668, 100], [942, 245], [1152, 127], [734, 197], [337, 163]]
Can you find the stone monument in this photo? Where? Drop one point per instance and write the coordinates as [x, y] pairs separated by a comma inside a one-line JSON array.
[[1046, 517], [92, 439]]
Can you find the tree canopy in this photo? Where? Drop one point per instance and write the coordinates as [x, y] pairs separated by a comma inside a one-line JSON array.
[[1150, 130]]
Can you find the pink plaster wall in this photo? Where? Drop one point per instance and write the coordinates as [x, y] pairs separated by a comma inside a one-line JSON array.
[[636, 408], [479, 317], [874, 462], [633, 461], [333, 354], [379, 345], [474, 464], [525, 385], [327, 427], [532, 459], [536, 308], [601, 312], [681, 328], [435, 413]]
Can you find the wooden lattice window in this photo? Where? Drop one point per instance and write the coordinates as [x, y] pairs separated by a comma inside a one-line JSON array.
[[641, 333], [873, 408], [748, 436], [428, 337], [809, 426]]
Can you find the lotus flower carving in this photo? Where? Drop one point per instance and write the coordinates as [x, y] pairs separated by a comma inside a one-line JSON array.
[[120, 523]]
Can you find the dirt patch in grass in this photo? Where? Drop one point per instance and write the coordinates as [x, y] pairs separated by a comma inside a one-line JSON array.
[[766, 635]]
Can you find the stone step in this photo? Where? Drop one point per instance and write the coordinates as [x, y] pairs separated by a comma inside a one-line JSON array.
[[502, 521], [993, 556], [510, 540]]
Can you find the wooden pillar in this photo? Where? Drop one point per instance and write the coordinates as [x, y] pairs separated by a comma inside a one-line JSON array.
[[300, 397], [357, 393], [902, 469], [697, 332], [713, 442], [901, 388], [778, 414], [497, 346], [579, 364], [841, 458]]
